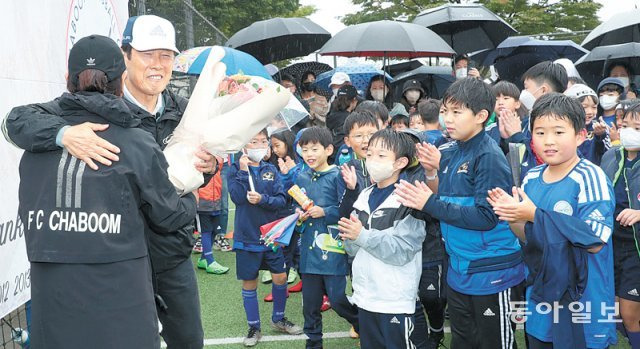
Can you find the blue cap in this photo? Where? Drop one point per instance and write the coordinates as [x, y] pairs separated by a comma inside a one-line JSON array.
[[607, 81]]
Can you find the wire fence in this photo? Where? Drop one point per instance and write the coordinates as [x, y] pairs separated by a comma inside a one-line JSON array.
[[12, 326]]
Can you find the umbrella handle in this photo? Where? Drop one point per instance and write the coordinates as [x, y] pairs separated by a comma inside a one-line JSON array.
[[605, 64]]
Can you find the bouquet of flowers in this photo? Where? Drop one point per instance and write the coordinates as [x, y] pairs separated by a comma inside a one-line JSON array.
[[223, 114]]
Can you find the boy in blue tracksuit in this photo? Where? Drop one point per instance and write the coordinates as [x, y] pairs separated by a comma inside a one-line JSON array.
[[622, 166], [485, 269], [323, 260], [257, 193], [565, 219]]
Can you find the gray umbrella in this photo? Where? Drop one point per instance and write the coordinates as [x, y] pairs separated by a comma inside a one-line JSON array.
[[466, 27], [621, 28], [279, 38], [386, 39], [593, 66]]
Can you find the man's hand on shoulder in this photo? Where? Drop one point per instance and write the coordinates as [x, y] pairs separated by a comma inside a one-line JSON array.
[[82, 142]]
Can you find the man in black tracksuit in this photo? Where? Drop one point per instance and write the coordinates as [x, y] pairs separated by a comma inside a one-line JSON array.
[[38, 128]]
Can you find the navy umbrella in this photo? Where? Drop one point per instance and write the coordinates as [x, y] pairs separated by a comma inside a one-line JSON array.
[[466, 27], [619, 29], [434, 80], [276, 39], [517, 54], [593, 66]]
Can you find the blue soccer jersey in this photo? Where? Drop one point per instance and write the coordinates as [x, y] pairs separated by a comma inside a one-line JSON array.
[[587, 194]]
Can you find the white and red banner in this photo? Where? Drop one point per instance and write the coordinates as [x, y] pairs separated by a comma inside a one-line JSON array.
[[36, 38]]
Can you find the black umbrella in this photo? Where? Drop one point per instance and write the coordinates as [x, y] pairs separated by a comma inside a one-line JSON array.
[[399, 68], [514, 56], [619, 29], [279, 38], [297, 69], [386, 39], [434, 80], [466, 27], [593, 66]]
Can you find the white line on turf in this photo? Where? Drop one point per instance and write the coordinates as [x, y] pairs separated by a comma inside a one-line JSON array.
[[283, 338]]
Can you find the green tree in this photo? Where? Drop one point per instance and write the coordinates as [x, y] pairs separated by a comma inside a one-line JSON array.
[[527, 17], [228, 16]]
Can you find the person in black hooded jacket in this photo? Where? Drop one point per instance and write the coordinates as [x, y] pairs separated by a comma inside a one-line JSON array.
[[39, 128], [86, 230]]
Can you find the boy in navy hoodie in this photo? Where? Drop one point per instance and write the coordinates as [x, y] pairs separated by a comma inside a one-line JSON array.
[[323, 260], [485, 267], [257, 192]]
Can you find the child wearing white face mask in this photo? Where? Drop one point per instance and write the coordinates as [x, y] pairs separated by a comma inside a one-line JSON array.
[[412, 94], [609, 91], [257, 191], [386, 239]]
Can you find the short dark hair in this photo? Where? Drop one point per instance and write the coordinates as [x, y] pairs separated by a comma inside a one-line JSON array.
[[316, 134], [633, 110], [287, 77], [93, 80], [471, 93], [575, 80], [506, 88], [400, 119], [461, 58], [559, 106], [620, 64], [126, 48], [359, 119], [378, 109], [553, 74], [398, 142], [304, 76], [429, 110]]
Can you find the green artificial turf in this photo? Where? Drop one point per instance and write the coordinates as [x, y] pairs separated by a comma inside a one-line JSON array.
[[223, 312]]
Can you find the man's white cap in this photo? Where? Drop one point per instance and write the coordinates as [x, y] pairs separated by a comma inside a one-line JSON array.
[[339, 78], [150, 32]]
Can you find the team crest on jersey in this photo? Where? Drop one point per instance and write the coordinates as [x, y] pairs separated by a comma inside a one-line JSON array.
[[589, 135], [268, 176], [464, 168], [563, 207]]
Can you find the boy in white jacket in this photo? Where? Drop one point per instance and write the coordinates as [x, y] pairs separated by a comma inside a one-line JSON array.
[[386, 240]]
